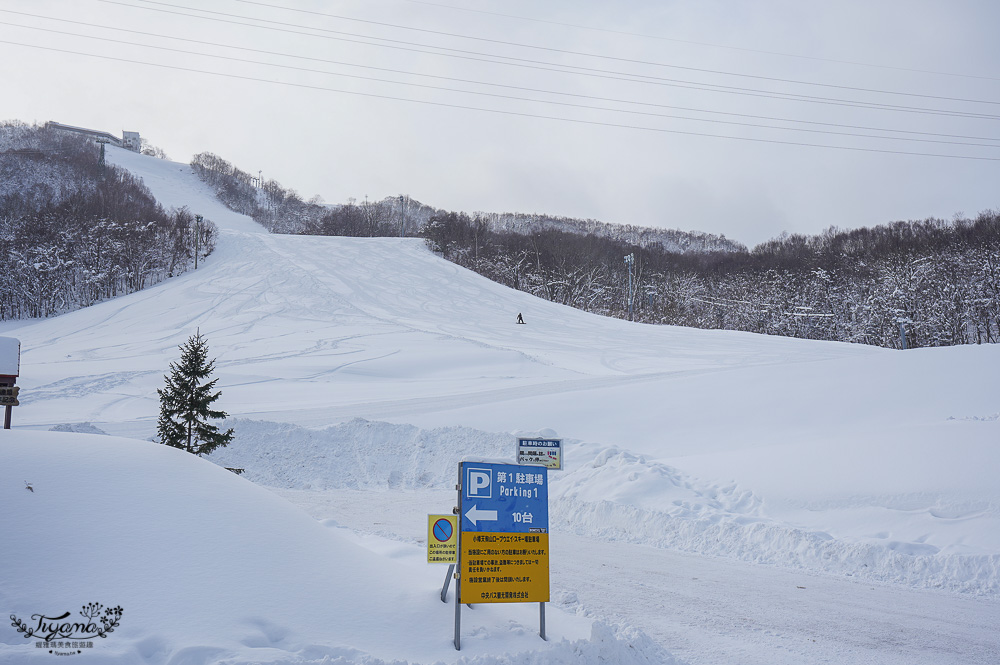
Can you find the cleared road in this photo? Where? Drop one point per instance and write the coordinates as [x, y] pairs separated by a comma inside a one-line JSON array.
[[710, 611]]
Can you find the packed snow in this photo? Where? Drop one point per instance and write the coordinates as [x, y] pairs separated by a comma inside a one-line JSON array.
[[727, 497]]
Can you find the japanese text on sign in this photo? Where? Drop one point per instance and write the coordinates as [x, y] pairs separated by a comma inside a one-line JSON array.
[[540, 452], [504, 519], [505, 567], [442, 538], [504, 498]]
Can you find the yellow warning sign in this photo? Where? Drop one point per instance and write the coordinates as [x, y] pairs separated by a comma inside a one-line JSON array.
[[505, 567], [442, 538]]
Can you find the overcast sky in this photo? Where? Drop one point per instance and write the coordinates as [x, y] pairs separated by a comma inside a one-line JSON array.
[[618, 111]]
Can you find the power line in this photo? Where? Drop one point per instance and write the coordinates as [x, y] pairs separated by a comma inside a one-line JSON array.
[[590, 55], [500, 96], [601, 73], [459, 80], [707, 86], [504, 112], [708, 44]]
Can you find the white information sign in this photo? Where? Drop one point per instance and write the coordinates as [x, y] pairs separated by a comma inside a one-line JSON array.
[[540, 452], [10, 356]]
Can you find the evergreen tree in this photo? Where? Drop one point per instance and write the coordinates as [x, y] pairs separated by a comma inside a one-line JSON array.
[[185, 402]]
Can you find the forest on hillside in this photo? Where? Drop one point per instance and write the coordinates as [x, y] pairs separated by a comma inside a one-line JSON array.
[[75, 231], [915, 283], [281, 210]]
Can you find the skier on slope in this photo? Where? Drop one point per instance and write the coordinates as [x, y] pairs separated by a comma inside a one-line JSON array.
[[520, 319]]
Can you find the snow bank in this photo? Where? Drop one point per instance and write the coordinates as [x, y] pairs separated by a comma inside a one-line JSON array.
[[605, 492], [620, 496], [78, 428], [767, 542], [359, 454], [210, 568]]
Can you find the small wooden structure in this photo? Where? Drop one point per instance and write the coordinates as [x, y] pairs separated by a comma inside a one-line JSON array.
[[10, 367]]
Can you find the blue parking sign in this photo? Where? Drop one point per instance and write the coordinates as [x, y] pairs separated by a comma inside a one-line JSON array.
[[504, 498]]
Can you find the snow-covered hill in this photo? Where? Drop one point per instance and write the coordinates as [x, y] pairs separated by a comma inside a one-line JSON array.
[[862, 466], [208, 567]]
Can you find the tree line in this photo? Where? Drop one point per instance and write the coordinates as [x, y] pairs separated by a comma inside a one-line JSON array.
[[277, 209], [282, 210], [75, 231], [919, 283]]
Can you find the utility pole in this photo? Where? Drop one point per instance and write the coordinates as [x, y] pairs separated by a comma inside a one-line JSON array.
[[401, 218], [630, 262], [197, 238], [101, 164]]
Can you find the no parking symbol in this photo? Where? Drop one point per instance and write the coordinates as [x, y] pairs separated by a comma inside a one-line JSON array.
[[443, 530], [442, 538]]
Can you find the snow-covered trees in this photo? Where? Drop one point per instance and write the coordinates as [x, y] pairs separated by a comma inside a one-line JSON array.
[[282, 210], [275, 208], [72, 233], [186, 402], [941, 280]]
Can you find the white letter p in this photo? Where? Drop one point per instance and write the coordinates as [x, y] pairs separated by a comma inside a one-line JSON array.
[[479, 483]]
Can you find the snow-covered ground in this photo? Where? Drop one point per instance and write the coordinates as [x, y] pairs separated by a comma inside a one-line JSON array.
[[727, 497]]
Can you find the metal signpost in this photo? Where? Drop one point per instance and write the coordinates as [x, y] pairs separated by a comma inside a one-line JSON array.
[[10, 365], [503, 548], [540, 452]]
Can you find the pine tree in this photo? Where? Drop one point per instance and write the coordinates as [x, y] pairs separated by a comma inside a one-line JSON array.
[[185, 402]]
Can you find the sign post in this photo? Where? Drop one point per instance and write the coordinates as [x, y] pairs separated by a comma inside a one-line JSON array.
[[503, 550], [10, 365]]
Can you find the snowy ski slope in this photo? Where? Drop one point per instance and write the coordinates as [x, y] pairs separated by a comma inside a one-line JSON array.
[[358, 371]]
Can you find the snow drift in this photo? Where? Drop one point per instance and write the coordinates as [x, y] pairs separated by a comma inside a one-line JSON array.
[[211, 568], [605, 492]]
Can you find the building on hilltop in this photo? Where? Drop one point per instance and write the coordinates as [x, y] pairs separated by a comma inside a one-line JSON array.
[[129, 140]]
